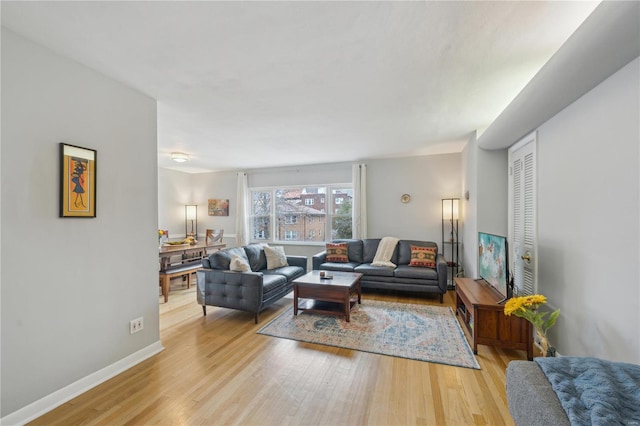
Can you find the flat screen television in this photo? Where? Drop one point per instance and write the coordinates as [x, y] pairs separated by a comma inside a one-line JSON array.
[[493, 261]]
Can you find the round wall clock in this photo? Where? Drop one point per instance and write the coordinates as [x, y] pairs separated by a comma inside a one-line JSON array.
[[405, 198]]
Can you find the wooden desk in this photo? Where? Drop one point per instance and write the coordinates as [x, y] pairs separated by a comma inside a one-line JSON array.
[[187, 253], [484, 318]]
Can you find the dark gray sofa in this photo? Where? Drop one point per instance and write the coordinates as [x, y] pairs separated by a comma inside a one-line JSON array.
[[532, 401], [246, 291], [573, 390], [403, 277]]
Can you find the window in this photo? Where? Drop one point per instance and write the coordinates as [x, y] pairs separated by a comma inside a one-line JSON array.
[[261, 215], [292, 213], [342, 218], [290, 235], [290, 219]]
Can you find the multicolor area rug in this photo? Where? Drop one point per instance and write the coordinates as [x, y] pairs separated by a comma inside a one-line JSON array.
[[420, 332]]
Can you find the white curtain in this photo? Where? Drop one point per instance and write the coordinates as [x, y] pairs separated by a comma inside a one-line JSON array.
[[242, 214], [359, 222]]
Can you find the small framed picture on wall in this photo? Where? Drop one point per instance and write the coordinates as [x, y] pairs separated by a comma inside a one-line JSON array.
[[218, 207], [77, 181]]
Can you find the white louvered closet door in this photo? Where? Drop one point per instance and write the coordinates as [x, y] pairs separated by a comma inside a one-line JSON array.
[[522, 215]]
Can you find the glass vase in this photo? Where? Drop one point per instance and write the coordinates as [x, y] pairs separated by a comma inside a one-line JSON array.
[[547, 349]]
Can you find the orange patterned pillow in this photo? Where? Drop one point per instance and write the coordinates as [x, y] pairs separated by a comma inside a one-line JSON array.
[[337, 252], [424, 257]]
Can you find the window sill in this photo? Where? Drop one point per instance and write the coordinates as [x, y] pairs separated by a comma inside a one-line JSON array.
[[292, 243]]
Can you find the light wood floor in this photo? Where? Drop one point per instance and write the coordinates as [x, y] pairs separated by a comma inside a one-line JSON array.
[[216, 370]]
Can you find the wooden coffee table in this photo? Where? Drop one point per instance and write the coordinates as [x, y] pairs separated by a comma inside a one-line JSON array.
[[335, 296]]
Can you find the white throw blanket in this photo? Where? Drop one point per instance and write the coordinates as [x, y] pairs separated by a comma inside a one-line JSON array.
[[384, 252]]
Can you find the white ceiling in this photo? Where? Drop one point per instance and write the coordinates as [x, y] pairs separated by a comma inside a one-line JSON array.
[[245, 85], [605, 42]]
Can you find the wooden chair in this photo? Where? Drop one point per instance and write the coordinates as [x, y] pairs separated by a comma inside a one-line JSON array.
[[213, 236]]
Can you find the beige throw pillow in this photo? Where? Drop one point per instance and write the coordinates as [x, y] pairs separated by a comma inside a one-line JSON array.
[[239, 264], [275, 257]]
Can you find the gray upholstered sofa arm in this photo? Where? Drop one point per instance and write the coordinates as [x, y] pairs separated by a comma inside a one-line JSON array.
[[300, 261], [319, 259], [531, 398], [228, 289], [443, 270]]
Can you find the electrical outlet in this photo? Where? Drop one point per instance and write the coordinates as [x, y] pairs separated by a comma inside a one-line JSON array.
[[136, 325]]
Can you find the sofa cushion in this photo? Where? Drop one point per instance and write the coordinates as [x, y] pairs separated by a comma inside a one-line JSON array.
[[354, 248], [404, 250], [334, 266], [337, 252], [256, 256], [289, 272], [424, 257], [275, 257], [406, 271], [368, 269], [273, 282], [530, 395], [369, 249], [239, 264], [222, 258]]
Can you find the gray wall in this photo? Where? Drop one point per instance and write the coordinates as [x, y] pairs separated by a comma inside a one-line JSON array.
[[493, 194], [588, 213], [70, 286], [469, 233], [588, 217], [175, 191], [485, 176], [427, 179], [300, 175]]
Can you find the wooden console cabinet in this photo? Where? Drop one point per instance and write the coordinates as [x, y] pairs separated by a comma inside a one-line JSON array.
[[477, 305]]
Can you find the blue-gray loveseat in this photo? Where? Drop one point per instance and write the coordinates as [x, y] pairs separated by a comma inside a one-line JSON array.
[[250, 291]]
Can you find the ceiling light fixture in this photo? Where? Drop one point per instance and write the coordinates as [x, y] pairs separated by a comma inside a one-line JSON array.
[[179, 157]]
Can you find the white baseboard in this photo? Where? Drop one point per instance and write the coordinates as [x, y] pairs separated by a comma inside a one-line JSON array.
[[59, 397]]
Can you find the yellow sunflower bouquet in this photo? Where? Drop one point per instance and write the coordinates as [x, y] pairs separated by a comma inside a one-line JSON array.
[[527, 307]]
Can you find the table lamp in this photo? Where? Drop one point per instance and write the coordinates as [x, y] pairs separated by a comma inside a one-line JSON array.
[[191, 215]]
